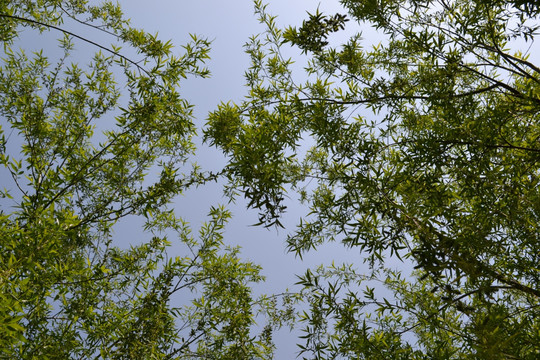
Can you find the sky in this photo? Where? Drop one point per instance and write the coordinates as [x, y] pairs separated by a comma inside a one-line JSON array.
[[229, 24]]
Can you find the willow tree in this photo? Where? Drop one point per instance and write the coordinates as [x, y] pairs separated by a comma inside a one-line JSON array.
[[424, 147], [79, 138]]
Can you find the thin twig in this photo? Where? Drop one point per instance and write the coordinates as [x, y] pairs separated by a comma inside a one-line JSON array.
[[78, 37]]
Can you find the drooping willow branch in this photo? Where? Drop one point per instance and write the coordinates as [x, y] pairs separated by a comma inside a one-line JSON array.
[[67, 32]]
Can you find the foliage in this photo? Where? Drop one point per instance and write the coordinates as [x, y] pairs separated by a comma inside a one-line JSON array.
[[424, 148], [80, 148], [313, 34]]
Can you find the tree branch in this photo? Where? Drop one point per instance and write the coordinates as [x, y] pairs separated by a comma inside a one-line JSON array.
[[115, 53]]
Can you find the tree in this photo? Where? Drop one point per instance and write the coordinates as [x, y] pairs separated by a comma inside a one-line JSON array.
[[423, 148], [79, 147]]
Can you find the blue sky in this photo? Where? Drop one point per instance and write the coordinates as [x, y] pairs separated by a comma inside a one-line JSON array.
[[229, 24]]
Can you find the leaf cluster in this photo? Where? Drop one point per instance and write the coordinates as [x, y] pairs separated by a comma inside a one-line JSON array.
[[312, 35]]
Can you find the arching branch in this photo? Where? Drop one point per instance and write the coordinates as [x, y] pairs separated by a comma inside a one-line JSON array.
[[115, 53]]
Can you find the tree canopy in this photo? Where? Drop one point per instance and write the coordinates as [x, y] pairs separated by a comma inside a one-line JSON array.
[[422, 148], [418, 151], [85, 144]]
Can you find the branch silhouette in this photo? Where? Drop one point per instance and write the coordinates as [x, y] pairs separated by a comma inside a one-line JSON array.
[[115, 53]]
